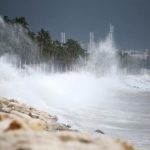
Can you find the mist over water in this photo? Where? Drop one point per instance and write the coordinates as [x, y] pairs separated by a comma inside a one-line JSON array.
[[97, 96], [103, 56], [15, 41]]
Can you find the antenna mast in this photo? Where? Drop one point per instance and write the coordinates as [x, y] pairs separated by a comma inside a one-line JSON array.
[[63, 37], [91, 40]]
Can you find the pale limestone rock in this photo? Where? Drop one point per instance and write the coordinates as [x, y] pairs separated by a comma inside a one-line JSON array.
[[21, 115], [37, 124], [25, 128], [64, 140]]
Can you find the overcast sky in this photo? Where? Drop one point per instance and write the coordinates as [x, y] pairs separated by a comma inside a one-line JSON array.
[[130, 18]]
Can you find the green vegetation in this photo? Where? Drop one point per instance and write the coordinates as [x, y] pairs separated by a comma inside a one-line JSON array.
[[62, 56], [51, 51]]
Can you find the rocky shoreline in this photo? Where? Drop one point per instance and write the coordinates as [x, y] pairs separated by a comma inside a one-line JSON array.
[[25, 128]]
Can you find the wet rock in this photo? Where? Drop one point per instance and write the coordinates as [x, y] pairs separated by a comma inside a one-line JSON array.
[[21, 115], [64, 140], [25, 128], [3, 116], [37, 124], [99, 131], [40, 120], [14, 125]]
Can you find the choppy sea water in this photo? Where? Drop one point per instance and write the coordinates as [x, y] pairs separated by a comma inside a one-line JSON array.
[[123, 114], [119, 105], [126, 117]]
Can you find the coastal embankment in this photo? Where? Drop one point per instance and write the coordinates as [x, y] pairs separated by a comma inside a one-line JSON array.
[[25, 128]]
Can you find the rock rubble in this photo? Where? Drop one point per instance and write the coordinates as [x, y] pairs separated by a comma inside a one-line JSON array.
[[25, 128]]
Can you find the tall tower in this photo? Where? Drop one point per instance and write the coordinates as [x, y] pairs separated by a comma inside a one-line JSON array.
[[111, 32], [91, 40], [63, 37]]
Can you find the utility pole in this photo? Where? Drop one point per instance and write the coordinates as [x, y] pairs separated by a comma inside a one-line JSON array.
[[111, 32], [63, 38], [91, 40]]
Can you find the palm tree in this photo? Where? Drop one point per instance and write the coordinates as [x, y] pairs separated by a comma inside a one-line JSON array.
[[44, 41], [22, 21], [74, 50]]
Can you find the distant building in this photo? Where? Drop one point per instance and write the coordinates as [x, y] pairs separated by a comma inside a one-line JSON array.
[[142, 54]]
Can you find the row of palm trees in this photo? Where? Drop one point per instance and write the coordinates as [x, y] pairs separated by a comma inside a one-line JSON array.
[[52, 51]]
